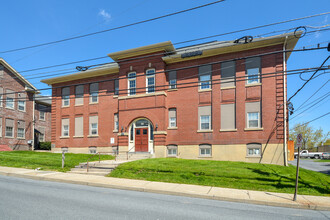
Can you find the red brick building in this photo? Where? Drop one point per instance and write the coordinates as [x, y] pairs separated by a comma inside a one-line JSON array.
[[218, 100], [17, 110]]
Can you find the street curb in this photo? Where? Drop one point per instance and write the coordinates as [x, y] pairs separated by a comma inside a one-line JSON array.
[[309, 206]]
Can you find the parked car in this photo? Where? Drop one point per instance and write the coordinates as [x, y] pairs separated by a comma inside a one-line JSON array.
[[325, 155], [306, 154]]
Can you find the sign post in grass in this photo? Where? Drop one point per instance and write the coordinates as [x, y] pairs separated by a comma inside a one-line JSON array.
[[63, 158], [298, 144]]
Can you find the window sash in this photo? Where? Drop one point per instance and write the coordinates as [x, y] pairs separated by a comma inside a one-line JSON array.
[[131, 86], [94, 129], [150, 84], [172, 152], [172, 122], [9, 102], [42, 115], [41, 137], [205, 150], [9, 131], [205, 81], [94, 97], [205, 122], [65, 130], [172, 84], [21, 105], [66, 100], [253, 120], [253, 75], [20, 132]]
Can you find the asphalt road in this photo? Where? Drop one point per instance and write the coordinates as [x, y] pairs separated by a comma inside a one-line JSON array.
[[31, 199], [310, 164]]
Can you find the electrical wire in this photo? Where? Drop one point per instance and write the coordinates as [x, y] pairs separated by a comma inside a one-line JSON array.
[[115, 28]]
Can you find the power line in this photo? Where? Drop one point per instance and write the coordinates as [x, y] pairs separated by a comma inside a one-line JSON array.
[[115, 28], [314, 119], [308, 79], [165, 87]]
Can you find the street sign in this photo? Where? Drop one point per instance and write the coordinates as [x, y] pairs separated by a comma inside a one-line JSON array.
[[299, 140]]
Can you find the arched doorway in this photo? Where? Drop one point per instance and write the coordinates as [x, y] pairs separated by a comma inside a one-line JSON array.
[[141, 136]]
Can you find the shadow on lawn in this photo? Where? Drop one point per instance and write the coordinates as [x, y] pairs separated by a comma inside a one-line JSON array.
[[286, 182]]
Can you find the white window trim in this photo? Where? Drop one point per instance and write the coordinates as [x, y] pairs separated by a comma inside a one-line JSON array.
[[128, 82], [171, 84], [63, 131], [150, 76], [248, 120], [40, 118], [173, 126], [205, 146], [91, 129], [257, 76], [172, 147], [250, 146], [13, 131], [200, 121], [23, 133], [10, 101], [209, 81], [18, 105], [1, 101], [64, 99]]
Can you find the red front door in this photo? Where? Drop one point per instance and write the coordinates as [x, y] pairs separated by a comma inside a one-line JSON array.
[[141, 139]]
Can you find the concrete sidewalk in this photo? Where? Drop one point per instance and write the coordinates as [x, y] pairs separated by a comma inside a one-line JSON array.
[[206, 192]]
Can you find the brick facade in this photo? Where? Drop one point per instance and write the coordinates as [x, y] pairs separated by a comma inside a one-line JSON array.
[[187, 99]]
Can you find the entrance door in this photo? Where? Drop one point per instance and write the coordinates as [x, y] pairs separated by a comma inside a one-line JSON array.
[[141, 139]]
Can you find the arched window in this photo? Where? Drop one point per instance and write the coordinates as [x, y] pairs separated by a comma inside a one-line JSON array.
[[253, 149], [205, 150], [172, 150]]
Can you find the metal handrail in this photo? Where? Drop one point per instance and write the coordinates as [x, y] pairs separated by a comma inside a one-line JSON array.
[[98, 153]]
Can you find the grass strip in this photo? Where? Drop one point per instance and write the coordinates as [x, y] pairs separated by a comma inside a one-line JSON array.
[[45, 160], [237, 175]]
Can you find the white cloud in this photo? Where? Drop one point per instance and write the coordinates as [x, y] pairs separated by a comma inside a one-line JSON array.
[[105, 15]]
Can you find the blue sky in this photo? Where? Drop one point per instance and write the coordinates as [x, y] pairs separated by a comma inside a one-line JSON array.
[[26, 23]]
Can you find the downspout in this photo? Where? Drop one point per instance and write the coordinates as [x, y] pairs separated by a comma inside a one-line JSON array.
[[285, 104], [33, 119]]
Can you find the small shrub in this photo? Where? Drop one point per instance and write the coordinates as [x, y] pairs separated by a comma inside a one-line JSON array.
[[45, 145]]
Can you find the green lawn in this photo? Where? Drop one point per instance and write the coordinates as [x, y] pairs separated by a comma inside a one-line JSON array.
[[325, 160], [45, 160], [238, 175]]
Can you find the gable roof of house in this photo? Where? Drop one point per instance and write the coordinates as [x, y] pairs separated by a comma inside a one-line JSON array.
[[28, 85]]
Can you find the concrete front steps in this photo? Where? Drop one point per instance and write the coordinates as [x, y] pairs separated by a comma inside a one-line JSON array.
[[105, 167]]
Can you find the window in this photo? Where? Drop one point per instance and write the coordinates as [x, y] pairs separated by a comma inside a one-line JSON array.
[[116, 122], [93, 92], [253, 149], [79, 127], [9, 128], [93, 125], [92, 150], [21, 105], [204, 74], [205, 150], [253, 114], [228, 72], [252, 66], [20, 129], [150, 80], [172, 79], [228, 116], [42, 115], [79, 95], [10, 95], [131, 137], [65, 96], [42, 134], [204, 117], [172, 150], [65, 127], [116, 86], [253, 119], [205, 122], [132, 83], [172, 117]]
